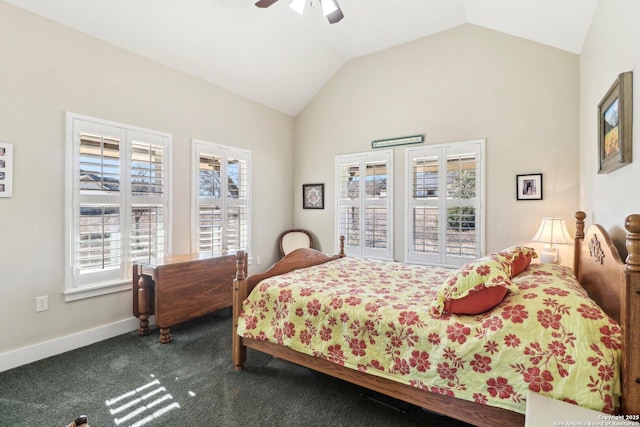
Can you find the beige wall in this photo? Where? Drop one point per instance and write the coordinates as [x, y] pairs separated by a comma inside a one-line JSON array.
[[462, 84], [612, 47], [47, 69]]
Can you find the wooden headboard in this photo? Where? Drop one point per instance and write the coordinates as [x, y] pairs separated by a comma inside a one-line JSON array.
[[615, 285], [598, 266]]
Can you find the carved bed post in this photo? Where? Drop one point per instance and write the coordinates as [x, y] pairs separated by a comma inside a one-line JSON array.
[[631, 316], [239, 351], [580, 216]]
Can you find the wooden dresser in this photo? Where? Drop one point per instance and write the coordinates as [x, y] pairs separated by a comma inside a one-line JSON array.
[[180, 288]]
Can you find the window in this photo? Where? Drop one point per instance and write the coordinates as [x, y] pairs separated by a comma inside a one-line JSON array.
[[118, 192], [445, 200], [364, 203], [221, 198]]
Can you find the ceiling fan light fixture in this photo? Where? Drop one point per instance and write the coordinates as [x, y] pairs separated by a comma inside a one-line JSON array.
[[328, 7], [298, 5]]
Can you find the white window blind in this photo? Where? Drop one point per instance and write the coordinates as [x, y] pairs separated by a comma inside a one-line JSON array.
[[118, 200], [444, 212], [364, 203], [221, 183]]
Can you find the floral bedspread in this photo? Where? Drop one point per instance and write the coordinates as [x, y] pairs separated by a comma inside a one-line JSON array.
[[373, 316]]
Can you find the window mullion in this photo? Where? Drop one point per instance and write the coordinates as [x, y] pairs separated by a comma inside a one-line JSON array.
[[224, 200], [126, 201]]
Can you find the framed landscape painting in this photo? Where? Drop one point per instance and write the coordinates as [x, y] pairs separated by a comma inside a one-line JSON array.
[[615, 121]]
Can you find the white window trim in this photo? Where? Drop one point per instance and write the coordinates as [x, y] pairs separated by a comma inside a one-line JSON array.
[[363, 158], [408, 197], [196, 148], [73, 292]]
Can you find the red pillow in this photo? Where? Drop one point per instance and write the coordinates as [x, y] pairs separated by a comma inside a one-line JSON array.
[[476, 302], [519, 264]]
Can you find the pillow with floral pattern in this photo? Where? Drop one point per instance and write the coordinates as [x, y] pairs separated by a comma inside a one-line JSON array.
[[517, 257], [470, 289]]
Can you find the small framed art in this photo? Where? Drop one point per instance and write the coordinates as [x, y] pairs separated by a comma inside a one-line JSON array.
[[6, 169], [615, 121], [313, 196], [529, 187]]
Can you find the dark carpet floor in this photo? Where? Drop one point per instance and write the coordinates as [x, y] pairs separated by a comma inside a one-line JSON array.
[[134, 381]]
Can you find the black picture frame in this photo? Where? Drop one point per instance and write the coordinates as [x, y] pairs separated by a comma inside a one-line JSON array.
[[6, 169], [529, 186], [312, 196], [615, 123]]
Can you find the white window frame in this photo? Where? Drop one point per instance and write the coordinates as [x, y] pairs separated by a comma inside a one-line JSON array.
[[225, 151], [363, 250], [82, 284], [441, 203]]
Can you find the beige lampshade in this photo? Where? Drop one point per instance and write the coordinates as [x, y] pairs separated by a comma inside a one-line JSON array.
[[553, 231]]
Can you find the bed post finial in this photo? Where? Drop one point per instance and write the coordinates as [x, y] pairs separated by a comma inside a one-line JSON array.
[[341, 253], [580, 216], [632, 224], [241, 259]]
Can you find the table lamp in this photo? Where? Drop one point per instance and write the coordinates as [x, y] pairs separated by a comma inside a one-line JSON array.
[[552, 231]]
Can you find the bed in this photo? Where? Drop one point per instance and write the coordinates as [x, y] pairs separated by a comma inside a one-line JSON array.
[[600, 277]]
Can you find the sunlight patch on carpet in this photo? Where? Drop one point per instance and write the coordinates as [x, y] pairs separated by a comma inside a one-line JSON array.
[[141, 405]]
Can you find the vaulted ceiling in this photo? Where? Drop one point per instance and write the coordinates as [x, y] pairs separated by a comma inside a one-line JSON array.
[[281, 59]]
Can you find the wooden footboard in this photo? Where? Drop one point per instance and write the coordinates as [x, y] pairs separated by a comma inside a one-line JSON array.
[[613, 284], [242, 285]]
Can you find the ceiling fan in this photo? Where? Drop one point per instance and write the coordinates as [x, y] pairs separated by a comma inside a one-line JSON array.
[[330, 8]]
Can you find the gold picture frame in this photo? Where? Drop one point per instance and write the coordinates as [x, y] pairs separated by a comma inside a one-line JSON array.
[[615, 122]]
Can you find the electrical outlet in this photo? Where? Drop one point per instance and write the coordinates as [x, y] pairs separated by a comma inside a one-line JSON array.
[[42, 303], [257, 260]]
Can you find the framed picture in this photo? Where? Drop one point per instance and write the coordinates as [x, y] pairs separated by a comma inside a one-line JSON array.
[[6, 169], [313, 196], [615, 120], [529, 187]]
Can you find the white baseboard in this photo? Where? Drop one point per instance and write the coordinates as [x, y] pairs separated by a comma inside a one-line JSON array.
[[22, 356]]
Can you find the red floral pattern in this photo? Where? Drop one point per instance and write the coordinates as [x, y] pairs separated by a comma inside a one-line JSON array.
[[374, 316]]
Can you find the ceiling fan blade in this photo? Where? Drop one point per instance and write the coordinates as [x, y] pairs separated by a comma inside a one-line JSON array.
[[335, 16], [265, 3]]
